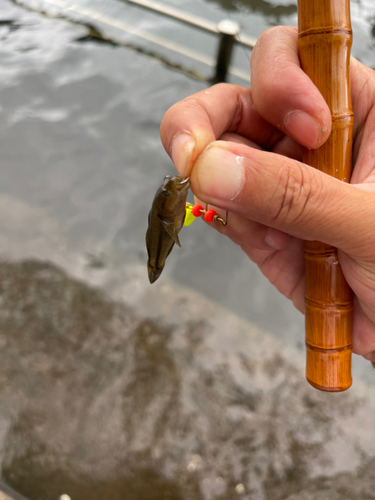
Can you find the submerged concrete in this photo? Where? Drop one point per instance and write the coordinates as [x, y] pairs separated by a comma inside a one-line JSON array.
[[96, 402]]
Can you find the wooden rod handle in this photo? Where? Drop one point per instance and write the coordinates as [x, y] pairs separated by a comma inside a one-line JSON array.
[[324, 42]]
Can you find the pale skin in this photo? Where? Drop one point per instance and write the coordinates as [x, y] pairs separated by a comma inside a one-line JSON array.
[[242, 150]]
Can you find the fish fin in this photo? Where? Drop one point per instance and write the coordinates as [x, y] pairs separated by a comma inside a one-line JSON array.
[[171, 230]]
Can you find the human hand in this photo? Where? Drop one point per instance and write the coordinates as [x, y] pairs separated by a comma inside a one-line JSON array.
[[242, 149]]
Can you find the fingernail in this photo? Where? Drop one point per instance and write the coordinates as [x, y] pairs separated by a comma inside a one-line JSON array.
[[304, 128], [276, 239], [220, 173], [182, 148]]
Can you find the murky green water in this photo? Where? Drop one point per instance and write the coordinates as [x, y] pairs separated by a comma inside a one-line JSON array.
[[109, 388]]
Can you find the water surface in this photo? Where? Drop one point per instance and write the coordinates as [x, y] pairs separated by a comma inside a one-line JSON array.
[[109, 388]]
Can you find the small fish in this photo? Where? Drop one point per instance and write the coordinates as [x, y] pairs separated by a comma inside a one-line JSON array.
[[165, 221]]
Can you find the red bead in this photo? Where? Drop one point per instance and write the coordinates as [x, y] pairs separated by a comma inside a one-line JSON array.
[[197, 210], [209, 215]]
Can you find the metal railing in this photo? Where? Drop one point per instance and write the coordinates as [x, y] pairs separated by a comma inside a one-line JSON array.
[[227, 30]]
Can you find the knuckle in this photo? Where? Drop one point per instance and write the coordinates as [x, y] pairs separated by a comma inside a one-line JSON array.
[[221, 87], [296, 192]]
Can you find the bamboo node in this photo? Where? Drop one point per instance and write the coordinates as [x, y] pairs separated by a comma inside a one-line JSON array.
[[328, 30]]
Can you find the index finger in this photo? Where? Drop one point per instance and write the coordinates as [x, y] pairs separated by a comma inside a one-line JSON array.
[[190, 125]]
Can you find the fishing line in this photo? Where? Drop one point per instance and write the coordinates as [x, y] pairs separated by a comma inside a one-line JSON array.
[[247, 55], [238, 34]]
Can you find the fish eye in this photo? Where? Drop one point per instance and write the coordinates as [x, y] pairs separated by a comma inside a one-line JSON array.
[[166, 193]]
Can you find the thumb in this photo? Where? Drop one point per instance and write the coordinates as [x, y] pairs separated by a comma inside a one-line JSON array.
[[287, 195]]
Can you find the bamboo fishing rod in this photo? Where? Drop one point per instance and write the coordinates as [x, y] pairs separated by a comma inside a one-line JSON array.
[[324, 42]]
